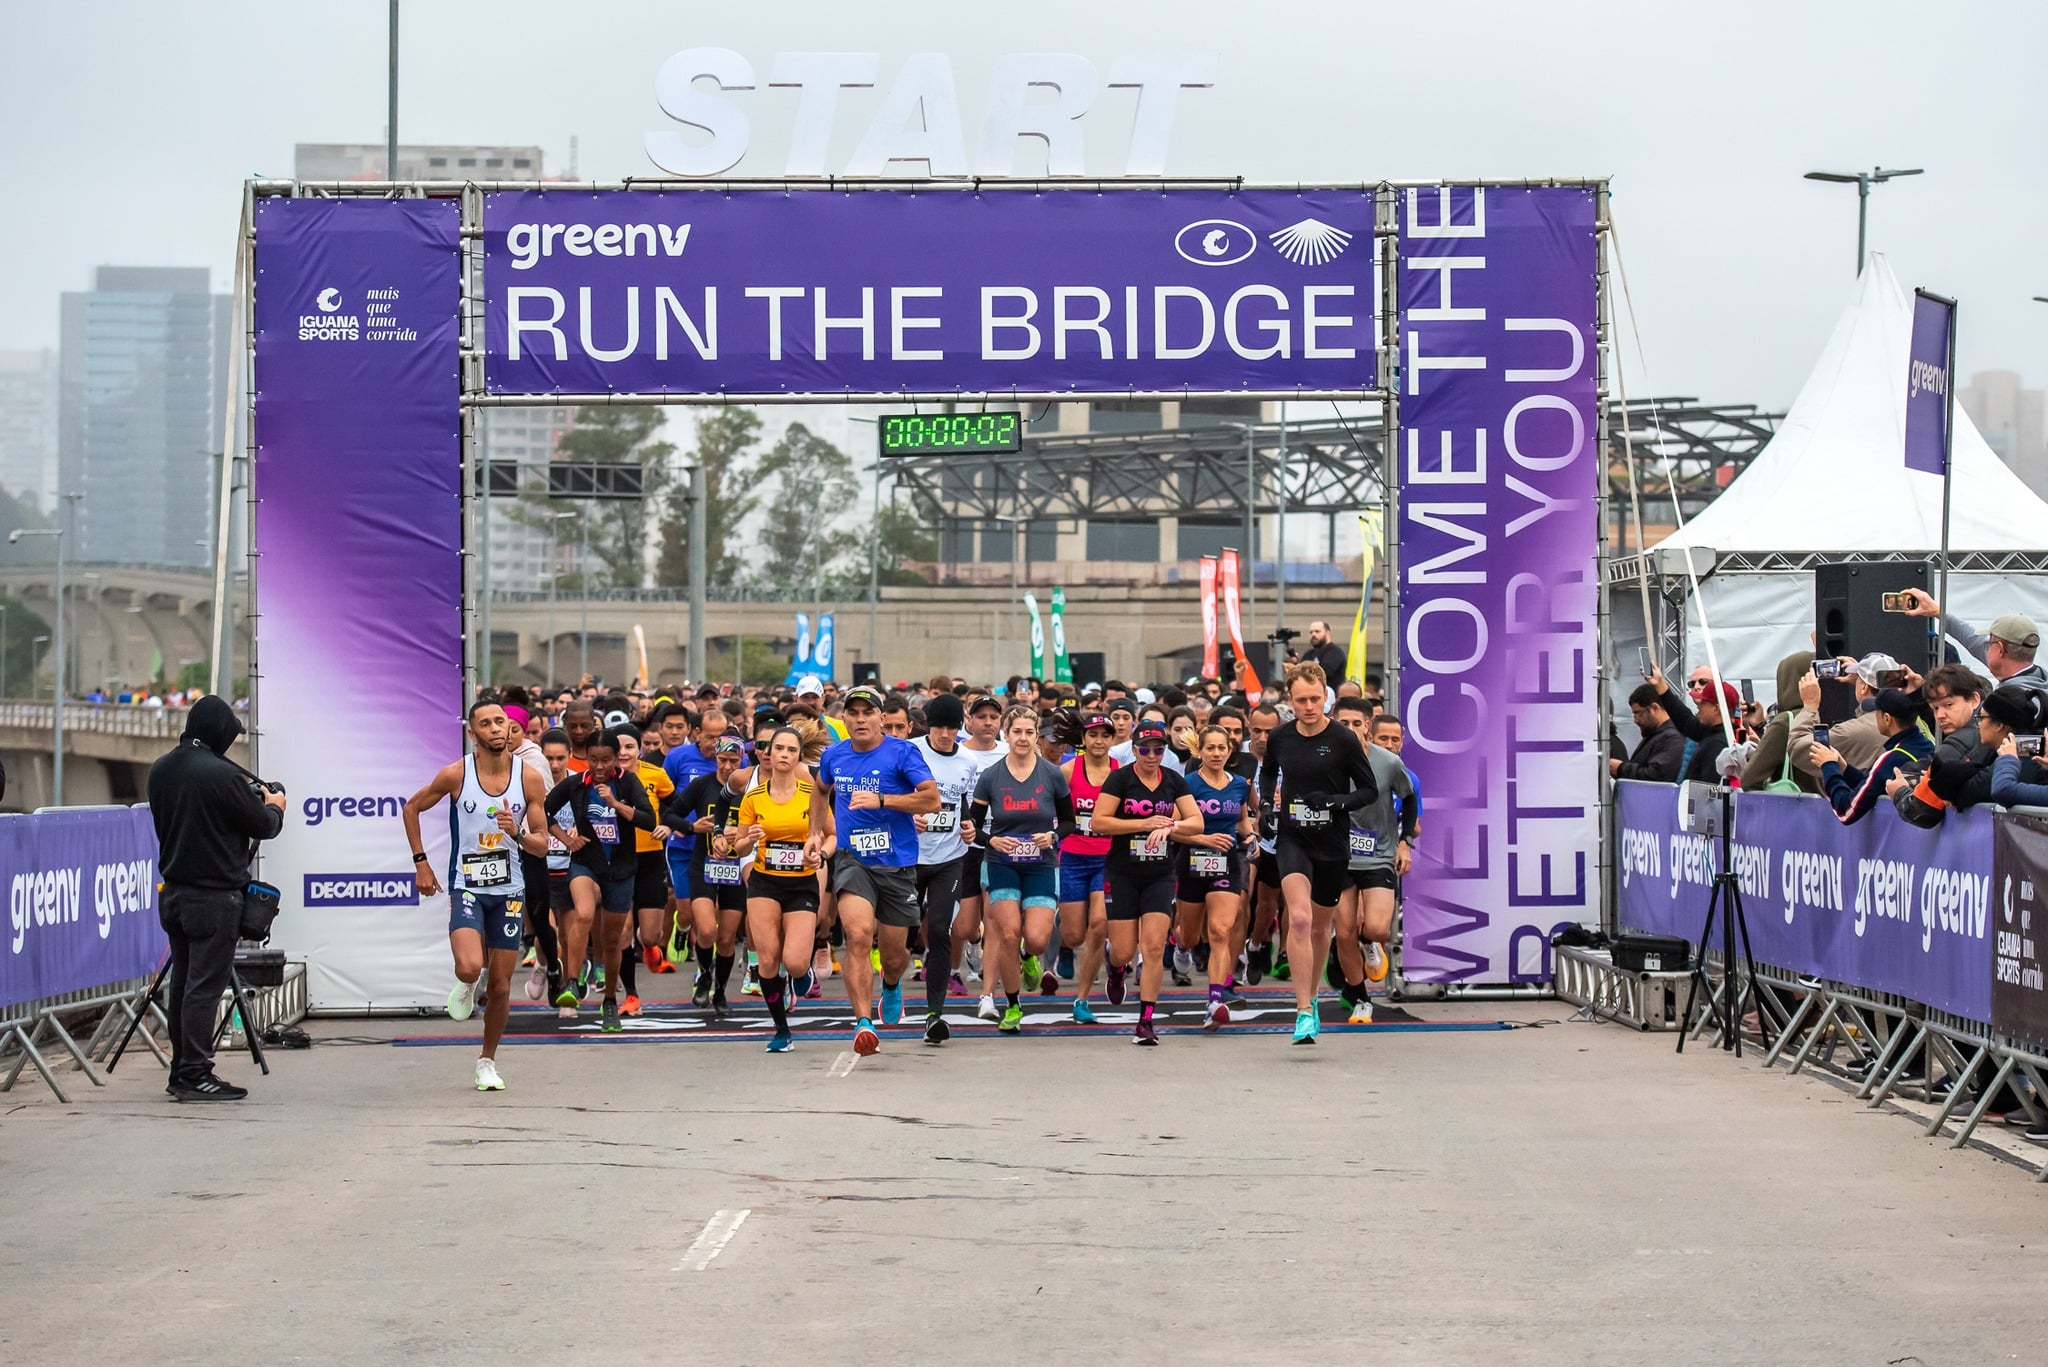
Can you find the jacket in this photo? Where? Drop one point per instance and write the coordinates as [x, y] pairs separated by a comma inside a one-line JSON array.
[[1853, 793], [208, 814], [572, 793], [2017, 782], [1707, 741], [1955, 774], [1655, 759], [1767, 760], [1855, 740]]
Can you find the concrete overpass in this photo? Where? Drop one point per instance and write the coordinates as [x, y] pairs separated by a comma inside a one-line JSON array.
[[107, 751], [123, 614]]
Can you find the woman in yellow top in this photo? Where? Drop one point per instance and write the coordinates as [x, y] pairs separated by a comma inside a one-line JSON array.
[[782, 881]]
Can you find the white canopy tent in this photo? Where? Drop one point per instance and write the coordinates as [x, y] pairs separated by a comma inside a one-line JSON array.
[[1832, 484]]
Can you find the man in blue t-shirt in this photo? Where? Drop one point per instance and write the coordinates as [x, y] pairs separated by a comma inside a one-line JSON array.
[[876, 784]]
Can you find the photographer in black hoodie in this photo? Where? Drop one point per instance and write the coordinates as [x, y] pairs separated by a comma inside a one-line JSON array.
[[209, 816]]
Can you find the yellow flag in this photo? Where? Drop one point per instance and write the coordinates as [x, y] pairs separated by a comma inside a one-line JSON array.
[[1371, 530]]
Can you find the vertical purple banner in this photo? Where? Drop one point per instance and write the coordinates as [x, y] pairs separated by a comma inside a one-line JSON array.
[[359, 583], [1499, 541], [1927, 380]]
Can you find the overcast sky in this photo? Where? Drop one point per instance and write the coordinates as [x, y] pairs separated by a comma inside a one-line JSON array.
[[131, 125]]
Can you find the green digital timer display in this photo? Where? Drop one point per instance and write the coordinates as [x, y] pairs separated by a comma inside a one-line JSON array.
[[938, 434]]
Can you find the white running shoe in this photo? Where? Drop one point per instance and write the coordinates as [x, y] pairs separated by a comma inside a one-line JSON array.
[[970, 959], [462, 1000], [1361, 1012], [1375, 962], [536, 983], [1183, 963], [487, 1079], [987, 1010]]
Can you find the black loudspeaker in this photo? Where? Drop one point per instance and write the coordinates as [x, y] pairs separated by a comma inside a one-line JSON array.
[[1088, 667], [867, 672], [1849, 616]]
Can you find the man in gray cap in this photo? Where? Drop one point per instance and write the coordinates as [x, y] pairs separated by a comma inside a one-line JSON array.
[[2007, 649]]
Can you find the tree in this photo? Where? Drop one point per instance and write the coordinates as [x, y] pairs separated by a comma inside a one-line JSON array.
[[726, 442], [19, 627], [616, 530], [810, 487], [898, 541]]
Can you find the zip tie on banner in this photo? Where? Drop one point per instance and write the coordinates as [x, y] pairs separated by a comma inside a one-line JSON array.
[[1671, 483]]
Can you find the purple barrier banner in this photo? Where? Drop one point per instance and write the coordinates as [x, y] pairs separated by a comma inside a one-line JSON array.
[[1499, 537], [818, 291], [1927, 380], [1881, 904], [359, 538], [81, 901]]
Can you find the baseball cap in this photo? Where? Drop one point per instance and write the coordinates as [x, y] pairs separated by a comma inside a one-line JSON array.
[[1874, 664], [1894, 701], [1145, 695], [1148, 730], [1731, 697], [864, 695], [981, 700], [1194, 681], [809, 684], [707, 691], [615, 718], [1122, 705], [1098, 723], [729, 745], [944, 710], [2016, 628]]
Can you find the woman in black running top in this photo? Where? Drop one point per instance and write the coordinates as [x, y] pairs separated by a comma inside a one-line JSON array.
[[1141, 809]]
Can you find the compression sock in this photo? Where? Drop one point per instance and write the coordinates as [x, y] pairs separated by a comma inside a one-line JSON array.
[[550, 947], [771, 993], [1145, 1011], [629, 977], [938, 956], [1218, 989], [1012, 996], [724, 974]]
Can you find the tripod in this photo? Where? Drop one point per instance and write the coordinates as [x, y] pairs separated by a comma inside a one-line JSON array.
[[1725, 901], [235, 985]]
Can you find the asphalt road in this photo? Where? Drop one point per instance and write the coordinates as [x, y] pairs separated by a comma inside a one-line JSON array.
[[1570, 1193]]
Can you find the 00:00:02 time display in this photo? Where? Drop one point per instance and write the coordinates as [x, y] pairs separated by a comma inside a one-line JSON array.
[[951, 432]]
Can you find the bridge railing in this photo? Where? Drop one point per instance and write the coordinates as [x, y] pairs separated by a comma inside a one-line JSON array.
[[106, 719]]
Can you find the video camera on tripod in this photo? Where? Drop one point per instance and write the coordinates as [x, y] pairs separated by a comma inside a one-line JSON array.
[[1708, 810]]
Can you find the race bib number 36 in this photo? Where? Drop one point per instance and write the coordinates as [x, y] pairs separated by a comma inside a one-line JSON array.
[[1308, 816]]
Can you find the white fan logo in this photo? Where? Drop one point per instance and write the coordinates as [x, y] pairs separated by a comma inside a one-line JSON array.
[[1310, 242]]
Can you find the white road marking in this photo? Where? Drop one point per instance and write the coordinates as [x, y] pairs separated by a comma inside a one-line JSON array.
[[843, 1065], [717, 1233]]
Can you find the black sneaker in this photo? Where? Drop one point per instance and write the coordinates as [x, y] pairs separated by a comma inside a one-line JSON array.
[[935, 1028], [1145, 1035], [719, 1006], [2038, 1133], [1257, 963], [609, 1021], [701, 998], [208, 1088]]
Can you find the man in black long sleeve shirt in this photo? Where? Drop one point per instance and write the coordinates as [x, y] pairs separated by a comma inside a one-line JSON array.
[[1323, 774], [209, 817]]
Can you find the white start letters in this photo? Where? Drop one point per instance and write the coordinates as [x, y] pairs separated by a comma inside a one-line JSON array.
[[1042, 96]]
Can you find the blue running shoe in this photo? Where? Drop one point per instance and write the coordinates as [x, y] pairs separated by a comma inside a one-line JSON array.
[[1064, 965], [1082, 1014], [892, 1004], [801, 987], [781, 1043], [1305, 1024]]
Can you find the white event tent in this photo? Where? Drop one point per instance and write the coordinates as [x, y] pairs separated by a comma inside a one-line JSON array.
[[1831, 484]]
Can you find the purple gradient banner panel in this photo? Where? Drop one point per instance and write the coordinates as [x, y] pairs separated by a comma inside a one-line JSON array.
[[1927, 381], [81, 902], [1499, 540], [1881, 904], [359, 583], [767, 292]]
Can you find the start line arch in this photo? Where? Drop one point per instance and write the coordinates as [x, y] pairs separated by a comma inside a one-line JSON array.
[[379, 319]]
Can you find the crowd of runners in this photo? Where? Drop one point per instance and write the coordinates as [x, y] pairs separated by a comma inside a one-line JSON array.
[[937, 837]]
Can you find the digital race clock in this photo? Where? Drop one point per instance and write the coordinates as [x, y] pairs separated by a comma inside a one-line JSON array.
[[938, 434]]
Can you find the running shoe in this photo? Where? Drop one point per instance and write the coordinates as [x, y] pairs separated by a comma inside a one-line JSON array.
[[597, 976], [1032, 972], [701, 997], [1283, 971], [865, 1040], [1064, 965], [631, 1006], [970, 958], [1216, 1017], [531, 956], [567, 998], [608, 1021], [781, 1043], [875, 961], [1116, 985], [986, 1009], [823, 965], [935, 1029], [752, 985], [567, 1013], [1305, 1026], [651, 955], [719, 1006], [1183, 968], [487, 1079], [1361, 1010], [536, 982], [1258, 961], [1012, 1021], [955, 985], [1376, 963], [1083, 1013], [813, 989], [892, 1004], [1048, 984], [462, 1001], [1145, 1034], [662, 963]]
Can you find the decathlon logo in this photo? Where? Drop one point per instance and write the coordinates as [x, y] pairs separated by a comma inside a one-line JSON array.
[[1215, 242], [361, 890], [1311, 242]]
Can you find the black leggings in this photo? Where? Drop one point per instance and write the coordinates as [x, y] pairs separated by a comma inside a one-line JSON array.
[[938, 885]]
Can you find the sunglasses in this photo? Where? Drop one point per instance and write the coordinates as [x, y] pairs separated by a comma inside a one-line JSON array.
[[1148, 749]]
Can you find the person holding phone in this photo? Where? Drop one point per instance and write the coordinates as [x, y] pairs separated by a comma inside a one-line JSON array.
[[1656, 756]]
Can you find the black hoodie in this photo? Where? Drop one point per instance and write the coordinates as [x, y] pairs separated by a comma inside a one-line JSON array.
[[208, 813]]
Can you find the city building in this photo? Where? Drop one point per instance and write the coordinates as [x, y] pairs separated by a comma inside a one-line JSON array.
[[2010, 417], [28, 423], [365, 161], [142, 363]]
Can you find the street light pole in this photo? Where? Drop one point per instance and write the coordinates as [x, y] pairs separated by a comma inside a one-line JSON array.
[[1862, 180], [583, 592], [57, 648], [554, 577]]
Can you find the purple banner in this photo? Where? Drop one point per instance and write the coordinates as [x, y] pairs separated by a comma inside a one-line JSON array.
[[1927, 379], [81, 901], [359, 540], [1881, 904], [818, 291], [1498, 539]]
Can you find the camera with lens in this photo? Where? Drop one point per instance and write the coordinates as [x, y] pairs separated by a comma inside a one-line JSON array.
[[1284, 634]]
